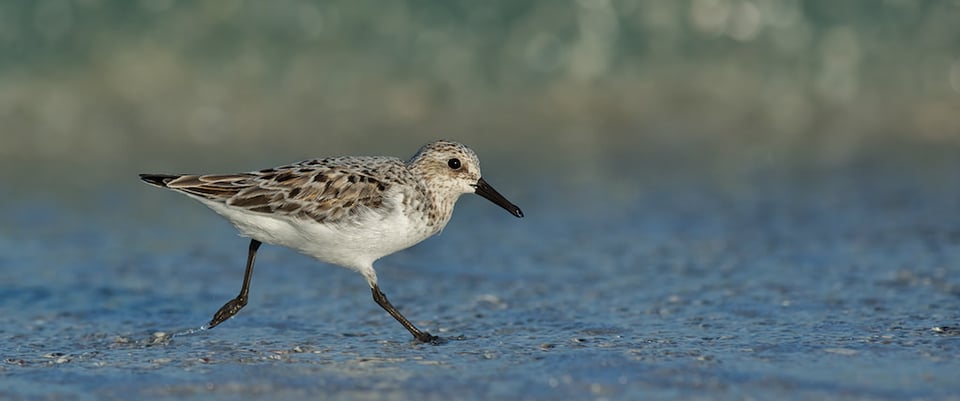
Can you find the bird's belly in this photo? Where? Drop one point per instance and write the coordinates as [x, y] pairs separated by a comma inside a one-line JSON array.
[[357, 245], [354, 244]]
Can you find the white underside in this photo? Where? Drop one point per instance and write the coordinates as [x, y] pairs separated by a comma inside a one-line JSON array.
[[355, 245]]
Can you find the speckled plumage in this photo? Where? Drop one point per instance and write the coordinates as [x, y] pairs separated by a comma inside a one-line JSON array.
[[348, 210], [325, 190]]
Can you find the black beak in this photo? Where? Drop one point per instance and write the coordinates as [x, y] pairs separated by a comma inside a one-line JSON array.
[[486, 191]]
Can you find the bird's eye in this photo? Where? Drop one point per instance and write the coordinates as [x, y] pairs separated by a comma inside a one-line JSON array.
[[454, 163]]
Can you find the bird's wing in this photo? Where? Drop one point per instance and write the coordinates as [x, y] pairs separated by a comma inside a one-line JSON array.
[[326, 190]]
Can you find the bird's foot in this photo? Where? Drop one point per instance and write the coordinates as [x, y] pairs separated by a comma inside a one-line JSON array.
[[431, 339], [227, 311]]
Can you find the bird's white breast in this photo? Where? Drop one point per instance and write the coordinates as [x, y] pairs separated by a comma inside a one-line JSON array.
[[353, 243]]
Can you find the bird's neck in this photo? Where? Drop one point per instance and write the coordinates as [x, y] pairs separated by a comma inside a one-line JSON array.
[[441, 208]]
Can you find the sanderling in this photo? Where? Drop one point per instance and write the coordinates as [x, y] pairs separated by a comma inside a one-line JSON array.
[[347, 211]]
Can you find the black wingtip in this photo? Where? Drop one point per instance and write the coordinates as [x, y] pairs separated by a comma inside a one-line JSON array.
[[159, 180]]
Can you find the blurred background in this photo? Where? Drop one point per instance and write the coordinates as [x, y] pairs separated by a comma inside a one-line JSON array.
[[735, 199], [597, 89]]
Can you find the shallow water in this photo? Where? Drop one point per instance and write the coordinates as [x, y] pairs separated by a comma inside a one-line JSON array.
[[840, 287], [724, 199]]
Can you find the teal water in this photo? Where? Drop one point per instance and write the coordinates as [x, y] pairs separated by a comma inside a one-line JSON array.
[[840, 287], [725, 199]]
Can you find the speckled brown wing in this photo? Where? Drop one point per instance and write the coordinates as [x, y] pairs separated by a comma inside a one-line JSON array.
[[326, 190]]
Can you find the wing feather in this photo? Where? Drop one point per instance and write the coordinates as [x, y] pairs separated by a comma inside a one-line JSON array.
[[326, 190]]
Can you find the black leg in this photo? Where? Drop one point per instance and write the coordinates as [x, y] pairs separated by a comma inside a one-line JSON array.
[[384, 303], [234, 305]]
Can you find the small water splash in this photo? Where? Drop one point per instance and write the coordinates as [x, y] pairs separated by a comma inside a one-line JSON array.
[[190, 331]]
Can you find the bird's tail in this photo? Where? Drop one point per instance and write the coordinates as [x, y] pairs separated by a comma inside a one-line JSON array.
[[160, 180]]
